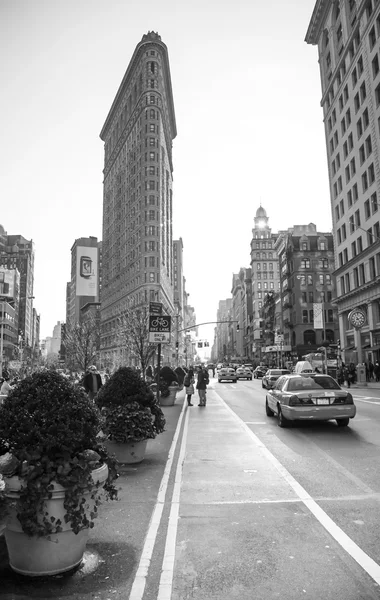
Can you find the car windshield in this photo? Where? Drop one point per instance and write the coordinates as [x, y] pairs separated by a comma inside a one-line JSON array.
[[277, 372], [312, 383]]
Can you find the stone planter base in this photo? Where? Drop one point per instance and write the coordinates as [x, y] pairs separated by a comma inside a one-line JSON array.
[[37, 556], [131, 453]]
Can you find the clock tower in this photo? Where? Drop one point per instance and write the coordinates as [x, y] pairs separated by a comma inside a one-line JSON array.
[[265, 274]]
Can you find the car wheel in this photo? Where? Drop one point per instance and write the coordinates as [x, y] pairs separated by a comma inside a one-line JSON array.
[[282, 421], [250, 379], [268, 410], [219, 380], [343, 422]]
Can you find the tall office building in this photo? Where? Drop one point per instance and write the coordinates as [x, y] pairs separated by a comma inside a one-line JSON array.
[[137, 198], [16, 252], [86, 277], [264, 273], [347, 34]]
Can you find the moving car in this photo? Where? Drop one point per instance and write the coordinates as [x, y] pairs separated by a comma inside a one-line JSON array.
[[244, 373], [260, 371], [309, 396], [271, 376], [227, 374]]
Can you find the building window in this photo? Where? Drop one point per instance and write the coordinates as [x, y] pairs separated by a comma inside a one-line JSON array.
[[375, 66], [367, 212], [305, 316], [368, 145], [365, 118], [309, 280], [372, 37], [362, 274], [371, 173], [374, 202], [305, 263]]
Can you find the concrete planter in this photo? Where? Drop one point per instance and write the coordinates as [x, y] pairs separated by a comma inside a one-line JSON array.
[[37, 556], [129, 453], [169, 400]]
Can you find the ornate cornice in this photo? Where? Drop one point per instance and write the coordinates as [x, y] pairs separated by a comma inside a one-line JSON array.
[[317, 20]]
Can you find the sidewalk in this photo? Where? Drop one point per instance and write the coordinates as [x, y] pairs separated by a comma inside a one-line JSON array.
[[370, 385]]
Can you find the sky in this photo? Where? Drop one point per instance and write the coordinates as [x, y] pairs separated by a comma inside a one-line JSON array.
[[246, 91]]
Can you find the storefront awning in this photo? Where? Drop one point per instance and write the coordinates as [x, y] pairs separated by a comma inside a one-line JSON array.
[[366, 346], [349, 348], [375, 347]]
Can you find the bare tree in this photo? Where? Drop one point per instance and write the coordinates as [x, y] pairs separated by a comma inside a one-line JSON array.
[[134, 334], [82, 344]]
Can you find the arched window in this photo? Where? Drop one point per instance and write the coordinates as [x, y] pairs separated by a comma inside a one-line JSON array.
[[309, 337], [330, 336]]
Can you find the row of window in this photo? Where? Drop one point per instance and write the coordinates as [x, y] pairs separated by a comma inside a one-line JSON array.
[[308, 316], [308, 297], [358, 276], [310, 280]]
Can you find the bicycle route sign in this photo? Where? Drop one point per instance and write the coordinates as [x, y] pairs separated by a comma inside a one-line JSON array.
[[159, 329]]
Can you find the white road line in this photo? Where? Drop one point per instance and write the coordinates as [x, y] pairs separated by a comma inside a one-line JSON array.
[[166, 580], [357, 399], [139, 582], [365, 561]]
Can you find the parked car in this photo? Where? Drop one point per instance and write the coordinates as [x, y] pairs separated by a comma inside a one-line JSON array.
[[244, 373], [260, 371], [227, 374], [309, 396], [271, 376]]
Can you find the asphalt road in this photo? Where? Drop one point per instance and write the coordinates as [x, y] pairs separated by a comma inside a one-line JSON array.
[[227, 505]]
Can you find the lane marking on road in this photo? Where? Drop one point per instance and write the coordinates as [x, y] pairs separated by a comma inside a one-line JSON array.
[[365, 561], [139, 582], [366, 401], [166, 579]]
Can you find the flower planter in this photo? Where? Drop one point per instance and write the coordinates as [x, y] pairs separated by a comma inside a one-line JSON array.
[[128, 453], [169, 400], [36, 556]]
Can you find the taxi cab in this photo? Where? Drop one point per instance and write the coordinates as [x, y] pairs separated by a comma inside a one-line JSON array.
[[307, 397]]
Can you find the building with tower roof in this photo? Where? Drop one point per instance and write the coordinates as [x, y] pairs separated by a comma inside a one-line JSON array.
[[265, 276]]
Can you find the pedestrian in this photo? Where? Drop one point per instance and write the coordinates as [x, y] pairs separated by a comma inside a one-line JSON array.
[[371, 369], [376, 371], [188, 382], [5, 386], [366, 372], [202, 382], [346, 376], [92, 382]]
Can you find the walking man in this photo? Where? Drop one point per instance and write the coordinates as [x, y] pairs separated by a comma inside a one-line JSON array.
[[202, 382]]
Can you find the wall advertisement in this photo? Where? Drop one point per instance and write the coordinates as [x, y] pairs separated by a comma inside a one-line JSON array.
[[7, 282], [87, 271]]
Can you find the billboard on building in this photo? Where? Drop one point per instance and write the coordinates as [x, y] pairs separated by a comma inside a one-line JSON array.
[[87, 271], [7, 282]]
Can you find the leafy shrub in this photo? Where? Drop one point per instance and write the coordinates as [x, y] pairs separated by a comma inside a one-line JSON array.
[[168, 375], [124, 387], [50, 428], [128, 404], [180, 372]]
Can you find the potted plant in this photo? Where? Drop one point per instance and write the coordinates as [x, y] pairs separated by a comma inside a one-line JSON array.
[[132, 415], [56, 470], [181, 373], [168, 386]]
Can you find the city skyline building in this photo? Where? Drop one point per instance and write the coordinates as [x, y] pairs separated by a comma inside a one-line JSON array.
[[138, 199], [265, 275], [86, 277], [347, 35], [16, 252]]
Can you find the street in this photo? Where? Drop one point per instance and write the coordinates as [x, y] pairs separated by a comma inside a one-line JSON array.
[[228, 505]]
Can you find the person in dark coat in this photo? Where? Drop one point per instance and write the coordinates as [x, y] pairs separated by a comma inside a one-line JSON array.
[[202, 382], [92, 382]]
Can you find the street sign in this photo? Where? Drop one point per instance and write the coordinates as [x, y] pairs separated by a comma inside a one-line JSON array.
[[159, 329], [155, 308]]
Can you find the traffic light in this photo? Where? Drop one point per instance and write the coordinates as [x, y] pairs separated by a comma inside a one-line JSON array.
[[238, 327], [177, 345]]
